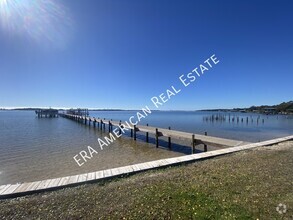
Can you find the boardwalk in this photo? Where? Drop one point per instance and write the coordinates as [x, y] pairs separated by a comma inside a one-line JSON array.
[[21, 189], [195, 139]]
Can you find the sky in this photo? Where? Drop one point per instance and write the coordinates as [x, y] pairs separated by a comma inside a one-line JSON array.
[[121, 53]]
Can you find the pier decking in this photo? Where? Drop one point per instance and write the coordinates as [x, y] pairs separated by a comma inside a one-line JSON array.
[[21, 189], [195, 139], [47, 113]]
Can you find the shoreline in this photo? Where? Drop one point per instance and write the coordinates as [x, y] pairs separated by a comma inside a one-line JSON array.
[[247, 184], [21, 189]]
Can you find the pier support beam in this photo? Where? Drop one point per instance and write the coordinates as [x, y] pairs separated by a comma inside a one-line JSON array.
[[147, 135], [193, 145], [205, 146], [169, 141], [134, 132], [120, 131], [157, 138]]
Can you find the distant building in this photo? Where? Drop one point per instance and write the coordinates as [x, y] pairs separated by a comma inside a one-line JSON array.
[[270, 110]]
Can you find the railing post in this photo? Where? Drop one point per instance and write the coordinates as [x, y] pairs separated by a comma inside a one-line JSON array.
[[205, 146], [120, 128], [134, 132], [157, 138], [169, 140], [147, 135], [193, 145]]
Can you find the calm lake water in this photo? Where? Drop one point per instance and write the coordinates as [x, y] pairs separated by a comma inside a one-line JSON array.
[[34, 149]]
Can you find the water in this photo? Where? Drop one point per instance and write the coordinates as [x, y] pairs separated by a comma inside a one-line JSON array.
[[274, 126], [35, 149]]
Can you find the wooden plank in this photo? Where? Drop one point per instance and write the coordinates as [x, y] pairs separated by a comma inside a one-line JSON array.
[[63, 181], [122, 170], [171, 161], [54, 182], [73, 179], [155, 164], [44, 184], [116, 171], [91, 176], [82, 177], [163, 162], [4, 187], [144, 166], [22, 188], [107, 173], [129, 169], [33, 186], [100, 174], [10, 189], [135, 168], [150, 164], [185, 158]]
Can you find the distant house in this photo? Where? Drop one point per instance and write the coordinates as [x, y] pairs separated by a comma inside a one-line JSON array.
[[270, 110]]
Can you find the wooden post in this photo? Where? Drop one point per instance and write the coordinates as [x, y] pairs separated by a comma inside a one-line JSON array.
[[205, 146], [169, 140], [120, 128], [193, 145], [147, 135], [109, 126], [101, 124], [157, 138], [134, 131], [131, 132]]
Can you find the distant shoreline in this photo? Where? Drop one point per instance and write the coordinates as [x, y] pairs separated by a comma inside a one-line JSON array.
[[285, 108]]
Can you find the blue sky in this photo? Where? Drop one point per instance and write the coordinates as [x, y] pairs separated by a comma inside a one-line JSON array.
[[119, 54]]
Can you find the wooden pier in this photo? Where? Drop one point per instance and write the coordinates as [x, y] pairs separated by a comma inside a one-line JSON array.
[[196, 139], [47, 113], [21, 189]]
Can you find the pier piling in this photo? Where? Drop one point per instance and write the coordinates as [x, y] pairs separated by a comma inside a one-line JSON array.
[[169, 140], [157, 138], [147, 135]]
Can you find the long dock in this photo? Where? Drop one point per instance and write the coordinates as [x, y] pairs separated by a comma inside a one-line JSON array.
[[21, 189], [195, 139]]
